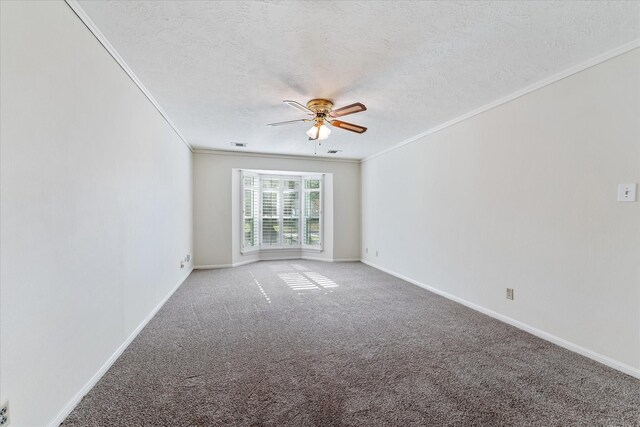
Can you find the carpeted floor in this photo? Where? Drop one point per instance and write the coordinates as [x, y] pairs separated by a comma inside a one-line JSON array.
[[301, 343]]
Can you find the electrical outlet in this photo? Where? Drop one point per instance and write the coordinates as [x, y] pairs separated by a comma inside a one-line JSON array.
[[627, 192], [181, 264], [509, 293], [188, 258], [4, 414]]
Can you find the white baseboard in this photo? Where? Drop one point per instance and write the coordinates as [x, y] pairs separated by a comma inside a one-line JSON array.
[[211, 266], [236, 264], [313, 258], [622, 367], [105, 367], [245, 262], [310, 258]]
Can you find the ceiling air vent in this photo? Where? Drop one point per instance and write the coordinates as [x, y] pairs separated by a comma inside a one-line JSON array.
[[334, 151], [239, 144]]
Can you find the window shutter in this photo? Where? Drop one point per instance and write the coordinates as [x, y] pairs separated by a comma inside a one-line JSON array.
[[291, 211], [250, 188], [312, 212], [270, 203], [281, 211]]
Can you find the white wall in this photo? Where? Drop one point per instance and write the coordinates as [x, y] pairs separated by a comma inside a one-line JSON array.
[[524, 196], [96, 208], [216, 239]]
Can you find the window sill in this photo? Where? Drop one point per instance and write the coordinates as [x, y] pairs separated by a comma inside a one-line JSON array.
[[281, 249]]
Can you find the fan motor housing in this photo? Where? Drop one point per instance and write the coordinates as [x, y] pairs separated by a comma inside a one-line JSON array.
[[320, 106]]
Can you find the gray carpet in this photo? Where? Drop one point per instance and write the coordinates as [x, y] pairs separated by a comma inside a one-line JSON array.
[[301, 343]]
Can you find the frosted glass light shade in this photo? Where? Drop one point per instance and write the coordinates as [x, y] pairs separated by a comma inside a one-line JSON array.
[[324, 132], [312, 132]]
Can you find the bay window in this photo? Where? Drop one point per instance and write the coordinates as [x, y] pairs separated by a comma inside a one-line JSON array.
[[281, 211]]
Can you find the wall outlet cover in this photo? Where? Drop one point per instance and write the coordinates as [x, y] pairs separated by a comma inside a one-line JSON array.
[[509, 293], [627, 192], [4, 414]]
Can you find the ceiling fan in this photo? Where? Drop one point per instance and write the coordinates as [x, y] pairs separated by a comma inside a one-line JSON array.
[[321, 111]]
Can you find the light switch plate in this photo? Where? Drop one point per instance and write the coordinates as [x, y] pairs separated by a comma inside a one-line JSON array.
[[627, 192]]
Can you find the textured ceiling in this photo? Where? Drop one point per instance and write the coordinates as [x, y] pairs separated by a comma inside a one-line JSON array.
[[221, 69]]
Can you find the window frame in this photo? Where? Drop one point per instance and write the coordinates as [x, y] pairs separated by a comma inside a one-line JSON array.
[[257, 214]]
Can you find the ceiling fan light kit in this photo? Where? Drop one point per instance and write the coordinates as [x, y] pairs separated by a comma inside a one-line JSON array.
[[320, 133], [321, 112]]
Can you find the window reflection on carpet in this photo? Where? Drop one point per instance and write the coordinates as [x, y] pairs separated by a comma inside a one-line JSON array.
[[306, 280]]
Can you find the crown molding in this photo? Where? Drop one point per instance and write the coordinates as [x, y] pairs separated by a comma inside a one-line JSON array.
[[634, 44], [82, 15], [88, 22], [272, 156]]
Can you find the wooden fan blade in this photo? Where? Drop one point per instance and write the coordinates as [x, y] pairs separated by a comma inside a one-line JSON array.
[[348, 126], [288, 122], [349, 109], [300, 107]]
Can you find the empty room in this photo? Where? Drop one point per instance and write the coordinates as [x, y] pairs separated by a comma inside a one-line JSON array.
[[319, 213]]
